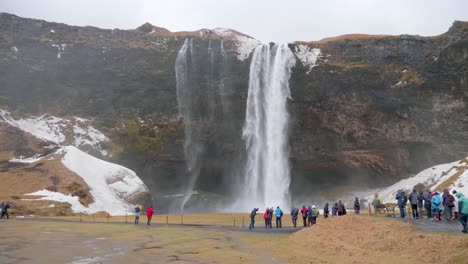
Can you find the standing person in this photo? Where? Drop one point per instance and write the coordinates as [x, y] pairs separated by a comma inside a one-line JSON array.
[[265, 216], [420, 203], [252, 218], [401, 199], [1, 207], [304, 213], [436, 205], [5, 208], [463, 209], [325, 211], [278, 214], [137, 214], [376, 202], [341, 208], [449, 203], [149, 214], [294, 213], [456, 211], [427, 203], [270, 217], [413, 199], [315, 214], [357, 206], [310, 215], [335, 209]]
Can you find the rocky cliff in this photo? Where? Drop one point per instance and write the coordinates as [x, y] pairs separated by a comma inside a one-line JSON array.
[[365, 110]]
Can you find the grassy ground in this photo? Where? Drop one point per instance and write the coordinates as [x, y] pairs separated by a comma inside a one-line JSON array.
[[348, 239]]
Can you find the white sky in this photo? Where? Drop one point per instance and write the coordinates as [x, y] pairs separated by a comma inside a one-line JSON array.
[[266, 20]]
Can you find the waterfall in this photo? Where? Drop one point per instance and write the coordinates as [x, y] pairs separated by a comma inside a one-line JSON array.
[[185, 99], [267, 175]]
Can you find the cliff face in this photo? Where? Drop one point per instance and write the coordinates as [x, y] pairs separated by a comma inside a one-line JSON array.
[[373, 109]]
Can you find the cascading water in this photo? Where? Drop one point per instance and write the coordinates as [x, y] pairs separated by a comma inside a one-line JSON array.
[[185, 96], [267, 175]]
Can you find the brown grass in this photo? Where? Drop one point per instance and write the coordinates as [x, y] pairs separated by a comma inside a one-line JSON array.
[[450, 181]]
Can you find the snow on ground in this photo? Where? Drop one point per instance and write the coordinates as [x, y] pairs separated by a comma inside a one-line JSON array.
[[308, 56], [54, 129], [109, 184], [245, 46], [432, 177], [22, 159]]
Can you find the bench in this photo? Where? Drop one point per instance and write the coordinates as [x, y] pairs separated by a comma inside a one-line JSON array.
[[382, 208]]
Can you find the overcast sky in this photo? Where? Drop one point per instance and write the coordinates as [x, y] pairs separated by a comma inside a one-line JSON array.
[[266, 20]]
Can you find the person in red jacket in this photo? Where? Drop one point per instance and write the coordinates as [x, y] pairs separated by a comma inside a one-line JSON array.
[[304, 212], [149, 214]]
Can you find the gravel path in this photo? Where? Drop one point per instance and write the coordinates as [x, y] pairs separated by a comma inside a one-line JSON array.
[[434, 226]]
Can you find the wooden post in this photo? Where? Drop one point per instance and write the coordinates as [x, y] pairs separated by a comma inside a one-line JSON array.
[[126, 218], [80, 218], [167, 220], [234, 222], [409, 215], [108, 216], [242, 222], [181, 219], [370, 211]]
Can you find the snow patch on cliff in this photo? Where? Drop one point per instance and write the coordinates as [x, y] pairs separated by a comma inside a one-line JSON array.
[[308, 56], [111, 185], [433, 177], [245, 46], [54, 129]]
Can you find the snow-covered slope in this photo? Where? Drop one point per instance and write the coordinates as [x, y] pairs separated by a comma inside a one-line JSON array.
[[111, 185], [453, 176], [57, 130]]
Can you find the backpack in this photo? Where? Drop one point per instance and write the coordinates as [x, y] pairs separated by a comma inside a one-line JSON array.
[[296, 211], [451, 200], [281, 212]]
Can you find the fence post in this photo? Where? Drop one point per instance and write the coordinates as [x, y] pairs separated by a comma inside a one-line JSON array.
[[234, 222], [108, 216], [242, 222], [181, 219], [370, 212], [80, 217], [409, 215], [167, 220], [126, 218]]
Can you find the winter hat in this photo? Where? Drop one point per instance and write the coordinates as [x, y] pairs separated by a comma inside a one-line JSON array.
[[313, 206]]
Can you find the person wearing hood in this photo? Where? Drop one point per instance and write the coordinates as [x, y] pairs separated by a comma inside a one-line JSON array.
[[304, 212], [427, 203], [401, 199], [341, 208], [252, 218], [357, 206], [294, 213], [265, 216], [310, 214], [326, 211], [149, 214], [448, 202], [270, 217], [420, 203], [413, 199], [436, 205], [5, 207], [314, 215], [463, 210], [335, 209], [279, 214]]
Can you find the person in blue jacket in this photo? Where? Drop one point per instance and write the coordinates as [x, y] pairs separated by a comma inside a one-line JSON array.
[[294, 213], [278, 214], [436, 205]]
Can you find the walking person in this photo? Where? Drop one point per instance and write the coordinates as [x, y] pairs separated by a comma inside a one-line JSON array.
[[436, 205], [427, 203], [5, 208], [401, 199], [265, 216], [463, 209], [137, 214], [315, 214], [310, 215], [357, 206], [149, 214], [325, 211], [448, 202], [252, 218], [304, 213], [279, 214], [294, 213], [413, 199]]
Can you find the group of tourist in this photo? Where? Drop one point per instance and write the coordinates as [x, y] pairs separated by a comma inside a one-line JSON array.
[[149, 214], [451, 206]]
